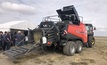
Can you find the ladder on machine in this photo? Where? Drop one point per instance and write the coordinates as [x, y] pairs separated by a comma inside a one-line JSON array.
[[18, 51]]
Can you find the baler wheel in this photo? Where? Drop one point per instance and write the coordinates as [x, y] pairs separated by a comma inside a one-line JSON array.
[[70, 48], [79, 46]]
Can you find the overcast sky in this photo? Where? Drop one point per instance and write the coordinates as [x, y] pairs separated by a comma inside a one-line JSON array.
[[93, 11]]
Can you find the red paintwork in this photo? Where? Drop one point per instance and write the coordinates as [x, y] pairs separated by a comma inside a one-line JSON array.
[[79, 31]]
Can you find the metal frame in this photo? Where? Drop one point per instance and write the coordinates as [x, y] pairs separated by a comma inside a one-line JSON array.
[[54, 18]]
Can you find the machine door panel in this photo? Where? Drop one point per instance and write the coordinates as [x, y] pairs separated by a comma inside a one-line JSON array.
[[79, 31], [75, 30]]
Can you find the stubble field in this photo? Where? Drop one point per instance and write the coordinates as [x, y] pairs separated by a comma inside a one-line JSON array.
[[89, 56]]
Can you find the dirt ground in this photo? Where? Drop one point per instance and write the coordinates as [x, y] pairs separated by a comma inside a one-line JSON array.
[[89, 56]]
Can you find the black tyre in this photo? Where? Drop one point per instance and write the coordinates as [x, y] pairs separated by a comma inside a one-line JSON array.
[[91, 41], [69, 49], [79, 46]]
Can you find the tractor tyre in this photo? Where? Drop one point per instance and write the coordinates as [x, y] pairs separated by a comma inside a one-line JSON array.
[[91, 41], [69, 49], [79, 46]]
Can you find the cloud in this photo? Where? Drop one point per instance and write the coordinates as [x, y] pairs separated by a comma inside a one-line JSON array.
[[21, 8], [1, 11], [102, 28]]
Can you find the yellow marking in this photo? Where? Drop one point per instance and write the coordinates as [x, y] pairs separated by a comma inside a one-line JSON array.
[[48, 34], [93, 42]]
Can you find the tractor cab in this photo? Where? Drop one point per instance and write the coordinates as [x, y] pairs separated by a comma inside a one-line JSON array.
[[90, 29]]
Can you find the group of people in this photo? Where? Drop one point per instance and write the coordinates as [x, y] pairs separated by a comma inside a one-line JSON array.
[[7, 39]]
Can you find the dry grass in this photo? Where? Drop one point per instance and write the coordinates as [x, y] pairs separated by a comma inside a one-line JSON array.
[[79, 63], [89, 56]]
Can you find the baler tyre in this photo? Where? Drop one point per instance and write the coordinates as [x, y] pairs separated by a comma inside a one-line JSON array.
[[91, 41], [79, 46], [69, 49]]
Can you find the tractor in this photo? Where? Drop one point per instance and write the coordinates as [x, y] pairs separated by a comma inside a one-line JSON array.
[[64, 31]]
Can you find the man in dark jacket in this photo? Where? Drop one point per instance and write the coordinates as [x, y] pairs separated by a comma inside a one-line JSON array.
[[19, 38], [7, 40], [8, 37], [1, 39], [4, 40]]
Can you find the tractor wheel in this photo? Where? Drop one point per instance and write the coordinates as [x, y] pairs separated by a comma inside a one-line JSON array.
[[69, 49], [91, 41], [79, 46]]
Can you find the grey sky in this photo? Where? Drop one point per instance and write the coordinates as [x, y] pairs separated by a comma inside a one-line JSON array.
[[93, 11]]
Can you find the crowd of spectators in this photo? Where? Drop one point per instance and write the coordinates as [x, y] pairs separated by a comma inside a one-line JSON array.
[[7, 39]]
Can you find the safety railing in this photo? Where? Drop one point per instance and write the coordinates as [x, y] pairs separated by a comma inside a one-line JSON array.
[[54, 18]]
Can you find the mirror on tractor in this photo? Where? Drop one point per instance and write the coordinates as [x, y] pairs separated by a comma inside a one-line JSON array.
[[94, 28]]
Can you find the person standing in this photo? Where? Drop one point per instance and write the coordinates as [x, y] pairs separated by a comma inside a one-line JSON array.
[[19, 39], [7, 40], [4, 40], [1, 39], [13, 38]]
